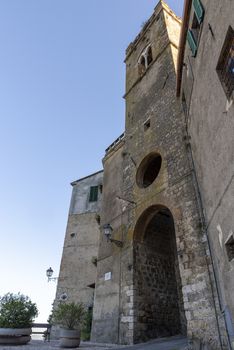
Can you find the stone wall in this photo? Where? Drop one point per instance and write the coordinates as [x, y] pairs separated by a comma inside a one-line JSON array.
[[78, 271]]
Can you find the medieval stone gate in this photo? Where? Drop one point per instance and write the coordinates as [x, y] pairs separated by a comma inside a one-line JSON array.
[[158, 295], [158, 281]]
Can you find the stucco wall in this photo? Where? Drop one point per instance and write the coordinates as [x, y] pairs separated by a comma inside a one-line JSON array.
[[80, 203], [211, 129]]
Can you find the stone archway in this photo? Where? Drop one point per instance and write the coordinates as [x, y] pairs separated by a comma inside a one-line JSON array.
[[158, 302]]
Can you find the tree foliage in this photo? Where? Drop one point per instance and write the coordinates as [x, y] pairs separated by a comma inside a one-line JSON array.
[[17, 311], [69, 315]]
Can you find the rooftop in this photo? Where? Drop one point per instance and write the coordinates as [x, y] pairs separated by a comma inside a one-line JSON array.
[[86, 177]]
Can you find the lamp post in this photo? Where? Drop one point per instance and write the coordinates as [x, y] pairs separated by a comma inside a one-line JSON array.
[[49, 274], [107, 231]]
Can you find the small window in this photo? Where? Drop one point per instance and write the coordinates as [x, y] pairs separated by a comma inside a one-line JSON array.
[[98, 218], [192, 42], [145, 60], [184, 104], [100, 188], [147, 124], [142, 62], [196, 26], [194, 31], [158, 17], [225, 67], [229, 244], [149, 56], [93, 194], [198, 10], [141, 66]]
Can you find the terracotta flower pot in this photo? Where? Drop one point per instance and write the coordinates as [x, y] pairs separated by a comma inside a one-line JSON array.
[[15, 336], [69, 338]]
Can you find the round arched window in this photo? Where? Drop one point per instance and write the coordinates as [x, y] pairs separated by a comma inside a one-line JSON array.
[[148, 170]]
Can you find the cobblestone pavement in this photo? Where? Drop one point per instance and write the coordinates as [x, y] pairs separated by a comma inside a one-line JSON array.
[[174, 343]]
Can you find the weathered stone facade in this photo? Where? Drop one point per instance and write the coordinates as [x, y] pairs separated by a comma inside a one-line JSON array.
[[156, 277], [77, 274], [209, 119], [154, 128]]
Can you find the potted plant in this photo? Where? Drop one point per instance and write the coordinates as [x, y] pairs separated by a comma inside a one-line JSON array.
[[17, 313], [70, 317]]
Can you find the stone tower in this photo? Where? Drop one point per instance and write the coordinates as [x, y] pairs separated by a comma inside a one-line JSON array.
[[154, 279]]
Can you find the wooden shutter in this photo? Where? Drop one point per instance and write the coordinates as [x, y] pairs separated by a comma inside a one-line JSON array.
[[199, 10], [192, 42], [93, 195]]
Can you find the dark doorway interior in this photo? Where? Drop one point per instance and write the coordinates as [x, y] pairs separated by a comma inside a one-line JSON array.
[[158, 300]]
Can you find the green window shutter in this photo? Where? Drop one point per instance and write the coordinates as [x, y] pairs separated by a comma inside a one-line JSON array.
[[192, 42], [199, 10], [93, 194]]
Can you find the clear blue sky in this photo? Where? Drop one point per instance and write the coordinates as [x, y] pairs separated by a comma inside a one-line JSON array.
[[62, 80]]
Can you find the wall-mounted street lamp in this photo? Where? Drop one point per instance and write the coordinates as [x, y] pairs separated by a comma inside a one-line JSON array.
[[49, 274], [107, 231]]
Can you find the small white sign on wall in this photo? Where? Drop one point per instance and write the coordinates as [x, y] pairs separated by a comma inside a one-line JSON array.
[[107, 276]]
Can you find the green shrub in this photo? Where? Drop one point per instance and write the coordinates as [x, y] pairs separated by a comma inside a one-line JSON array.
[[50, 318], [17, 311], [69, 315], [87, 324]]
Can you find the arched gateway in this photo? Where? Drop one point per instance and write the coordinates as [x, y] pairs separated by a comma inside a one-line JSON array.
[[158, 300]]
